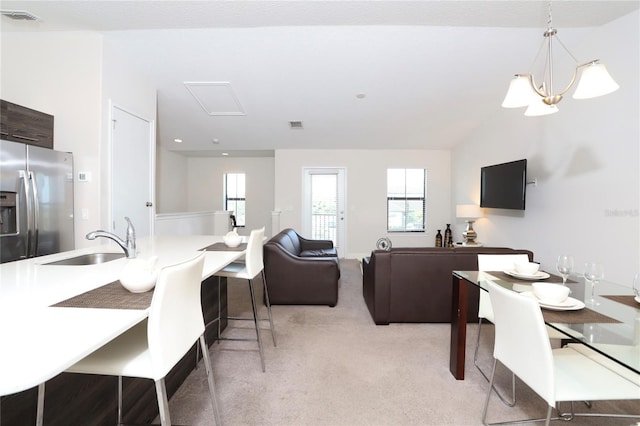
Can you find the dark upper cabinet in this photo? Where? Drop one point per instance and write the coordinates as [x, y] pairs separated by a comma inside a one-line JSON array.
[[21, 124]]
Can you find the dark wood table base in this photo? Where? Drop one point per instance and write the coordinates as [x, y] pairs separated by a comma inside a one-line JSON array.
[[459, 312]]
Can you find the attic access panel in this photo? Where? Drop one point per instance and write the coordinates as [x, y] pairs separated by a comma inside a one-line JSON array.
[[215, 97]]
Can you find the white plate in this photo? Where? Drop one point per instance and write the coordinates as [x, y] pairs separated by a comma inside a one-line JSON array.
[[537, 276], [570, 304]]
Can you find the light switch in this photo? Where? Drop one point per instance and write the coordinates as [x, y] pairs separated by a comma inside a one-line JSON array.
[[85, 214]]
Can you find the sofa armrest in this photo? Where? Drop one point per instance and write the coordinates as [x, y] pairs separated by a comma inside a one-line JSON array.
[[376, 285], [310, 245]]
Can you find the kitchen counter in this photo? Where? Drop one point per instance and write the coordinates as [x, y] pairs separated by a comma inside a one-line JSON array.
[[29, 284], [39, 342]]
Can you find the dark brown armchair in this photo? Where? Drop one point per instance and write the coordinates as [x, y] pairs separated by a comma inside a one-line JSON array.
[[300, 271]]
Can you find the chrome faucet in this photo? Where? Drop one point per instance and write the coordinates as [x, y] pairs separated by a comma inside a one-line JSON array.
[[129, 246]]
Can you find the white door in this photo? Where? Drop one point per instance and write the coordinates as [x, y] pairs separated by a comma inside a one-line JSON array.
[[324, 206], [132, 180]]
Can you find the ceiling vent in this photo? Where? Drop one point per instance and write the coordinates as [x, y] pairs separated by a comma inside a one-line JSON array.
[[295, 125], [19, 15], [215, 97]]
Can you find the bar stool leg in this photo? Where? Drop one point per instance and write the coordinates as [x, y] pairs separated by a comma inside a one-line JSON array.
[[212, 390], [255, 320], [266, 298], [163, 403], [120, 400], [40, 407], [219, 309]]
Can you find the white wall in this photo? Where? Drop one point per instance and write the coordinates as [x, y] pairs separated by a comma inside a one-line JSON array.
[[74, 76], [586, 160], [205, 187], [171, 181], [60, 74], [125, 87], [366, 191], [200, 223]]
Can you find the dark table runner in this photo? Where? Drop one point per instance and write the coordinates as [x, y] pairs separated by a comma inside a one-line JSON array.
[[109, 296], [224, 247], [625, 300], [581, 316]]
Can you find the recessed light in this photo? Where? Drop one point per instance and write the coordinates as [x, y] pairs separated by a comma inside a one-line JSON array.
[[361, 95], [224, 154], [177, 140], [215, 141]]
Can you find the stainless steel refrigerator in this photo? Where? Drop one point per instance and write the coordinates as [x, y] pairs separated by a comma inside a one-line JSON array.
[[36, 201]]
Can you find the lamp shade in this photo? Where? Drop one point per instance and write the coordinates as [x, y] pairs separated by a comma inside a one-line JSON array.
[[538, 107], [520, 93], [595, 81], [468, 211]]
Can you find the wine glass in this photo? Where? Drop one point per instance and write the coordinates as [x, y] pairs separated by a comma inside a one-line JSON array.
[[593, 272], [636, 286], [564, 266]]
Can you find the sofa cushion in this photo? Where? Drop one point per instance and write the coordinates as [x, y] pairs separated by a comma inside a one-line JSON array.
[[286, 243], [332, 252]]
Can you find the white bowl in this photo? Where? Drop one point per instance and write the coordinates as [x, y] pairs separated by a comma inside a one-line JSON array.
[[550, 293], [139, 275], [527, 268], [232, 240]]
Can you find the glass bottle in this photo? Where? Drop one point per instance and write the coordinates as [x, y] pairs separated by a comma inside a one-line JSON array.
[[438, 239], [448, 237]]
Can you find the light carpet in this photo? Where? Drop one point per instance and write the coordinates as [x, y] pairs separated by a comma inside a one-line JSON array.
[[334, 366]]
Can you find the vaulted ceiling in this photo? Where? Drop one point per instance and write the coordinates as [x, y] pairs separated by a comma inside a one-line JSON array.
[[233, 75]]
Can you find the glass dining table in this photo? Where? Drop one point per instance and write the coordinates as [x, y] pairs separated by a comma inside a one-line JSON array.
[[608, 322]]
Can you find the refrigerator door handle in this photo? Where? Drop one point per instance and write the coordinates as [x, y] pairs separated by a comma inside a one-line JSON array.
[[36, 212], [25, 177]]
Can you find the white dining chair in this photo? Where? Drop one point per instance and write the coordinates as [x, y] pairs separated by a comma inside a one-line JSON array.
[[153, 347], [494, 262], [248, 270], [556, 375]]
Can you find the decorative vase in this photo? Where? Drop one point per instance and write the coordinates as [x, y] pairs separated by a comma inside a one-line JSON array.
[[438, 239], [448, 236]]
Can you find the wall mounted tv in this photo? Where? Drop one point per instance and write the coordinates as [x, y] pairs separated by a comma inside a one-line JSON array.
[[503, 186]]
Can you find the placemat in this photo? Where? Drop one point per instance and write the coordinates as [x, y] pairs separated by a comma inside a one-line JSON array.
[[506, 277], [625, 300], [109, 296], [581, 316], [224, 247]]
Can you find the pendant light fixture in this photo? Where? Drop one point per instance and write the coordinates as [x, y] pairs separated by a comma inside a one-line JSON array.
[[541, 97]]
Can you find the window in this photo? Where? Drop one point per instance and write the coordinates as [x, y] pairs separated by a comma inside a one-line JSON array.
[[234, 196], [406, 195]]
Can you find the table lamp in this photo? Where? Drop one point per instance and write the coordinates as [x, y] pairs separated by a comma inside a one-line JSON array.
[[470, 212]]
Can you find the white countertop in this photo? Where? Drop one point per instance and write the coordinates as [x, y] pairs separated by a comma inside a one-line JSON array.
[[30, 283], [39, 342]]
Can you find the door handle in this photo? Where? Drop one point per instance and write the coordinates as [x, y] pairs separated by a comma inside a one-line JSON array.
[[36, 212], [24, 175], [149, 204]]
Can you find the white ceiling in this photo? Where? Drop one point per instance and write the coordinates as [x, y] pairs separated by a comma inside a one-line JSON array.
[[358, 74]]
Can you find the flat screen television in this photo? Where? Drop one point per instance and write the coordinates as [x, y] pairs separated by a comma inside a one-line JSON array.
[[503, 186]]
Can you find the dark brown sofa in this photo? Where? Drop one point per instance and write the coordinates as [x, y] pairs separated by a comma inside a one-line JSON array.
[[300, 271], [415, 284]]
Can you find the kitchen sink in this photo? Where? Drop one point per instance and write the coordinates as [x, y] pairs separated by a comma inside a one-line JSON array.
[[88, 259]]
